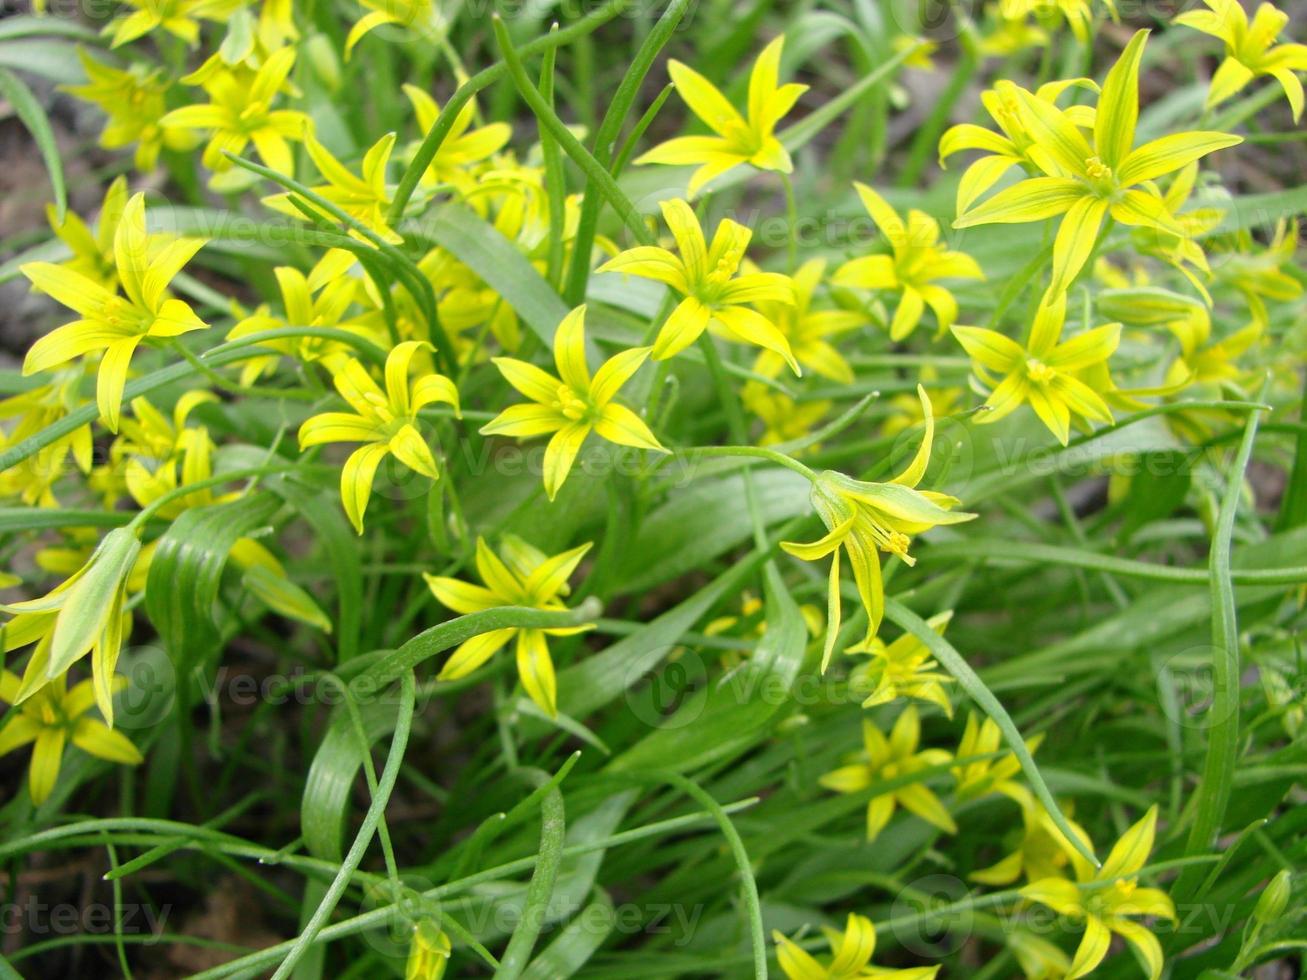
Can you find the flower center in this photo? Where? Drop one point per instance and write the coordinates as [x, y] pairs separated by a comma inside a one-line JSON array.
[[572, 405], [1097, 169], [1039, 372], [120, 314]]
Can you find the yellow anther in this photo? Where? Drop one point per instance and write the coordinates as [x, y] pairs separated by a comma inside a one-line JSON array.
[[1039, 372], [1096, 169]]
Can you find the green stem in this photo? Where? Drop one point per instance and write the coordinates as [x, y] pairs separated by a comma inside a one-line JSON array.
[[1213, 794], [549, 120], [606, 136], [426, 152]]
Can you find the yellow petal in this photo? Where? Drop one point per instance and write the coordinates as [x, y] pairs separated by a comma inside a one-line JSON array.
[[990, 348], [101, 741], [472, 653], [1031, 200], [1059, 894], [1075, 240], [1170, 153], [857, 946], [397, 365], [560, 454], [538, 385], [615, 372], [1143, 942], [356, 481], [112, 378], [684, 226], [1131, 852], [70, 288], [408, 446], [1118, 105], [885, 217], [462, 597], [621, 425], [336, 427], [682, 328], [65, 343], [1093, 947], [703, 98], [569, 350], [536, 670], [526, 420], [43, 770]]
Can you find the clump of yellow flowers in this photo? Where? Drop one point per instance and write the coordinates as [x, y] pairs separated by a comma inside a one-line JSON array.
[[385, 383]]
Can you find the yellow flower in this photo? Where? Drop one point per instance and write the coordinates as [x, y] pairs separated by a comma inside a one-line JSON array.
[[1078, 14], [93, 251], [572, 405], [150, 434], [907, 406], [386, 421], [917, 261], [1011, 145], [1087, 182], [902, 669], [783, 418], [808, 329], [523, 576], [1250, 49], [240, 111], [134, 102], [1106, 905], [706, 277], [851, 953], [1009, 37], [1043, 372], [1038, 958], [463, 146], [302, 309], [84, 613], [1257, 274], [893, 758], [420, 16], [1182, 251], [737, 140], [50, 719], [116, 324], [1201, 361], [181, 18], [36, 409], [364, 198], [865, 519], [985, 776], [750, 625], [1041, 853], [428, 953]]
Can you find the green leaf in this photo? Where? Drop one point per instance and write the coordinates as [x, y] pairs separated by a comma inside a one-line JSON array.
[[576, 942], [970, 682], [91, 600], [379, 670], [332, 774], [736, 707], [541, 889], [703, 522], [283, 596], [317, 504], [186, 572], [598, 679], [480, 247], [31, 114]]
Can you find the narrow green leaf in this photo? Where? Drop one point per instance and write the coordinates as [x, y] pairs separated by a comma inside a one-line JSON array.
[[954, 663], [29, 111]]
